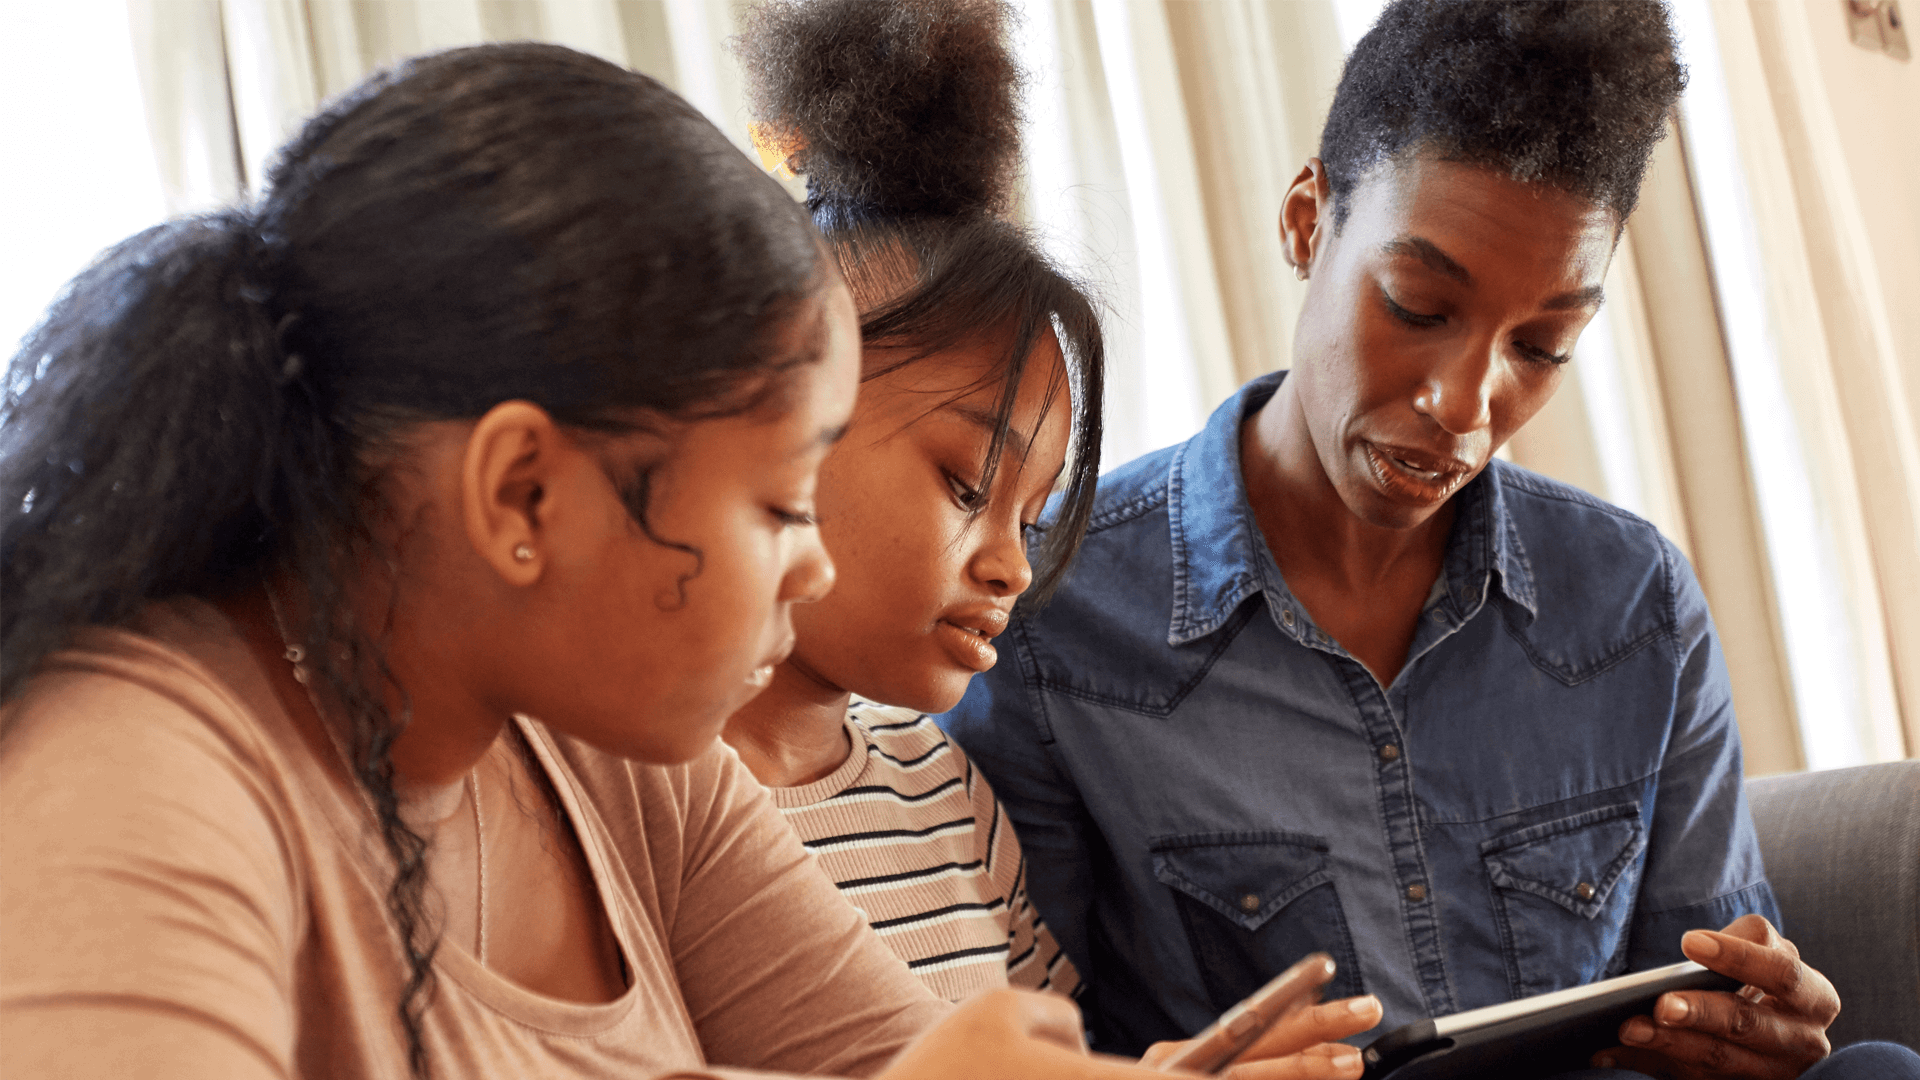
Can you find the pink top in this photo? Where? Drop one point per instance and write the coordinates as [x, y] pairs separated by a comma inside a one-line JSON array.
[[188, 892]]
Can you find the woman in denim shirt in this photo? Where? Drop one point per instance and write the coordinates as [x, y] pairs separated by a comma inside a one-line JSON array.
[[1329, 676]]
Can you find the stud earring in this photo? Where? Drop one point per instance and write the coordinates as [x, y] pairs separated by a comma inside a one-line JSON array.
[[523, 553], [1300, 272]]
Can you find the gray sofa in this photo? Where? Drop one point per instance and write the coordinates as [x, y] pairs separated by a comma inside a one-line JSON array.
[[1843, 852]]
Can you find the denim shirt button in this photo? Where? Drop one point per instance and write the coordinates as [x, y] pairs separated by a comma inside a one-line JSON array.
[[1438, 615], [1584, 890], [1249, 903], [1320, 636], [1416, 892], [1286, 619], [1389, 752]]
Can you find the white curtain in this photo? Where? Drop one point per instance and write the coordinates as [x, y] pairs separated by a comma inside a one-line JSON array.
[[1161, 137]]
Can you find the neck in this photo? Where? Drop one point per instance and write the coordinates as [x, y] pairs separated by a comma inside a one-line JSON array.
[[1292, 497], [447, 730], [794, 732]]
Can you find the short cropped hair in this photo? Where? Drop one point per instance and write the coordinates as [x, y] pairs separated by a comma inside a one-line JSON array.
[[1571, 93]]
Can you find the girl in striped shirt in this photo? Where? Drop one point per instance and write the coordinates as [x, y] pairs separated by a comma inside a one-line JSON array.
[[981, 396]]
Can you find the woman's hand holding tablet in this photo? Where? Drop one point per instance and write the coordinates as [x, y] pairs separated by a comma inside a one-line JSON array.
[[1774, 1027]]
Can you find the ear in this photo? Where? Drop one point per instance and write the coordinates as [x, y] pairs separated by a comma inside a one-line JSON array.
[[511, 461], [1304, 211]]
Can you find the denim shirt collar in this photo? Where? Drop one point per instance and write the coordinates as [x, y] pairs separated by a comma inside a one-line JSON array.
[[1220, 557]]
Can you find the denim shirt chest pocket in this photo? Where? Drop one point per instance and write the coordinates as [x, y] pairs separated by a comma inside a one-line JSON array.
[[1253, 903], [1562, 891]]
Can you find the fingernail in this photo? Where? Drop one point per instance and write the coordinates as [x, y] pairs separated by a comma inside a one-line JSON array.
[[1637, 1030], [1363, 1004], [1673, 1009], [1348, 1062], [1604, 1061], [1702, 943]]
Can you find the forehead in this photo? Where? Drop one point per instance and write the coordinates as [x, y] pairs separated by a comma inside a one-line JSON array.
[[1484, 220]]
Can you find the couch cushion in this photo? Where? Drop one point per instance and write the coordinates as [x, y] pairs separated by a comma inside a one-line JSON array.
[[1842, 849]]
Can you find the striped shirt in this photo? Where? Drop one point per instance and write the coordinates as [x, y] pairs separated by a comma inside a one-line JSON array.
[[914, 837]]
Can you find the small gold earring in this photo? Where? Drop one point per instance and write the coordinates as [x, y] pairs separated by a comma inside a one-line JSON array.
[[1300, 272], [523, 553]]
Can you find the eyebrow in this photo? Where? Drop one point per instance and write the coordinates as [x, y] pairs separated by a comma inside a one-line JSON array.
[[988, 422], [1429, 253], [1415, 247]]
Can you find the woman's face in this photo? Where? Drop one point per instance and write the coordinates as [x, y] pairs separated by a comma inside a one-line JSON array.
[[929, 564], [1438, 321], [649, 643]]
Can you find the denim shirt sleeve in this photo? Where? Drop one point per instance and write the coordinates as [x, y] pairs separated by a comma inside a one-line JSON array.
[[1703, 866], [1000, 726]]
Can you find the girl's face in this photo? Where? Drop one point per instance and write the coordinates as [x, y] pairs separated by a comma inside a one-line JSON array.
[[643, 645], [925, 581]]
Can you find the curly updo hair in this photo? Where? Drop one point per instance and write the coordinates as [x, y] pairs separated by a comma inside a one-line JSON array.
[[904, 116], [1570, 93]]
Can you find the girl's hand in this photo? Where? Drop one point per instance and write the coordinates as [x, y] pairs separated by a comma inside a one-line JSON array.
[[1010, 1035], [1301, 1046]]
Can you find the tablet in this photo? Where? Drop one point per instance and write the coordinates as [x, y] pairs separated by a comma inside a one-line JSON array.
[[1534, 1037]]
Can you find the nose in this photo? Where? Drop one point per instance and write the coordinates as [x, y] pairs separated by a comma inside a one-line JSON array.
[[810, 576], [1001, 562], [1458, 393]]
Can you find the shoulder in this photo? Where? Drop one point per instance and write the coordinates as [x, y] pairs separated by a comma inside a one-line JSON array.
[[1596, 570], [1544, 505], [1135, 490], [1123, 574], [172, 697], [145, 808]]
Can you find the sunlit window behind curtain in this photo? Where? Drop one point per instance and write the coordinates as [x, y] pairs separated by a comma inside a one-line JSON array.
[[78, 171], [1808, 591]]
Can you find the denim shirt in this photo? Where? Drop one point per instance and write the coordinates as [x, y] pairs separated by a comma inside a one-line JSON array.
[[1207, 786]]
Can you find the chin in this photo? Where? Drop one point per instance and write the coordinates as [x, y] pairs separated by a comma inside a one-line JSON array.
[[663, 737], [931, 692]]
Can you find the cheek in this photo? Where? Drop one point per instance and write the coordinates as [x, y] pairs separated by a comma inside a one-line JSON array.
[[1522, 397]]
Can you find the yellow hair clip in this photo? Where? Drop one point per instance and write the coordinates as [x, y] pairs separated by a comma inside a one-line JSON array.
[[776, 149]]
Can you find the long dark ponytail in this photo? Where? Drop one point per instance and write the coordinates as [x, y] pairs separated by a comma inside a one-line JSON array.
[[212, 400], [904, 117]]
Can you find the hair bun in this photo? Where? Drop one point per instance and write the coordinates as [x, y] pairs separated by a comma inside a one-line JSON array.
[[890, 107]]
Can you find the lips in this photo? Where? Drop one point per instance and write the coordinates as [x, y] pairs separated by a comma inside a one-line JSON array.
[[965, 635], [1411, 475], [762, 677]]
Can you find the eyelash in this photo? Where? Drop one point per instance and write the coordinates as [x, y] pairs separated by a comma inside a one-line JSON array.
[[967, 497], [793, 518], [963, 493], [1419, 321]]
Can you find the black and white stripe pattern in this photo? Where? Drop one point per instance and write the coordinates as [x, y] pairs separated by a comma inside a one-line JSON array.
[[914, 838]]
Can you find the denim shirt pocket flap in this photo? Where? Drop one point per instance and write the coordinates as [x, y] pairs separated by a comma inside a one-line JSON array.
[[1249, 877], [1574, 862]]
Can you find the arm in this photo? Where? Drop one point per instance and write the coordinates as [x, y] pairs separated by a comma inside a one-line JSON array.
[[779, 972], [999, 725], [1703, 872], [151, 917], [1703, 865], [1034, 959]]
